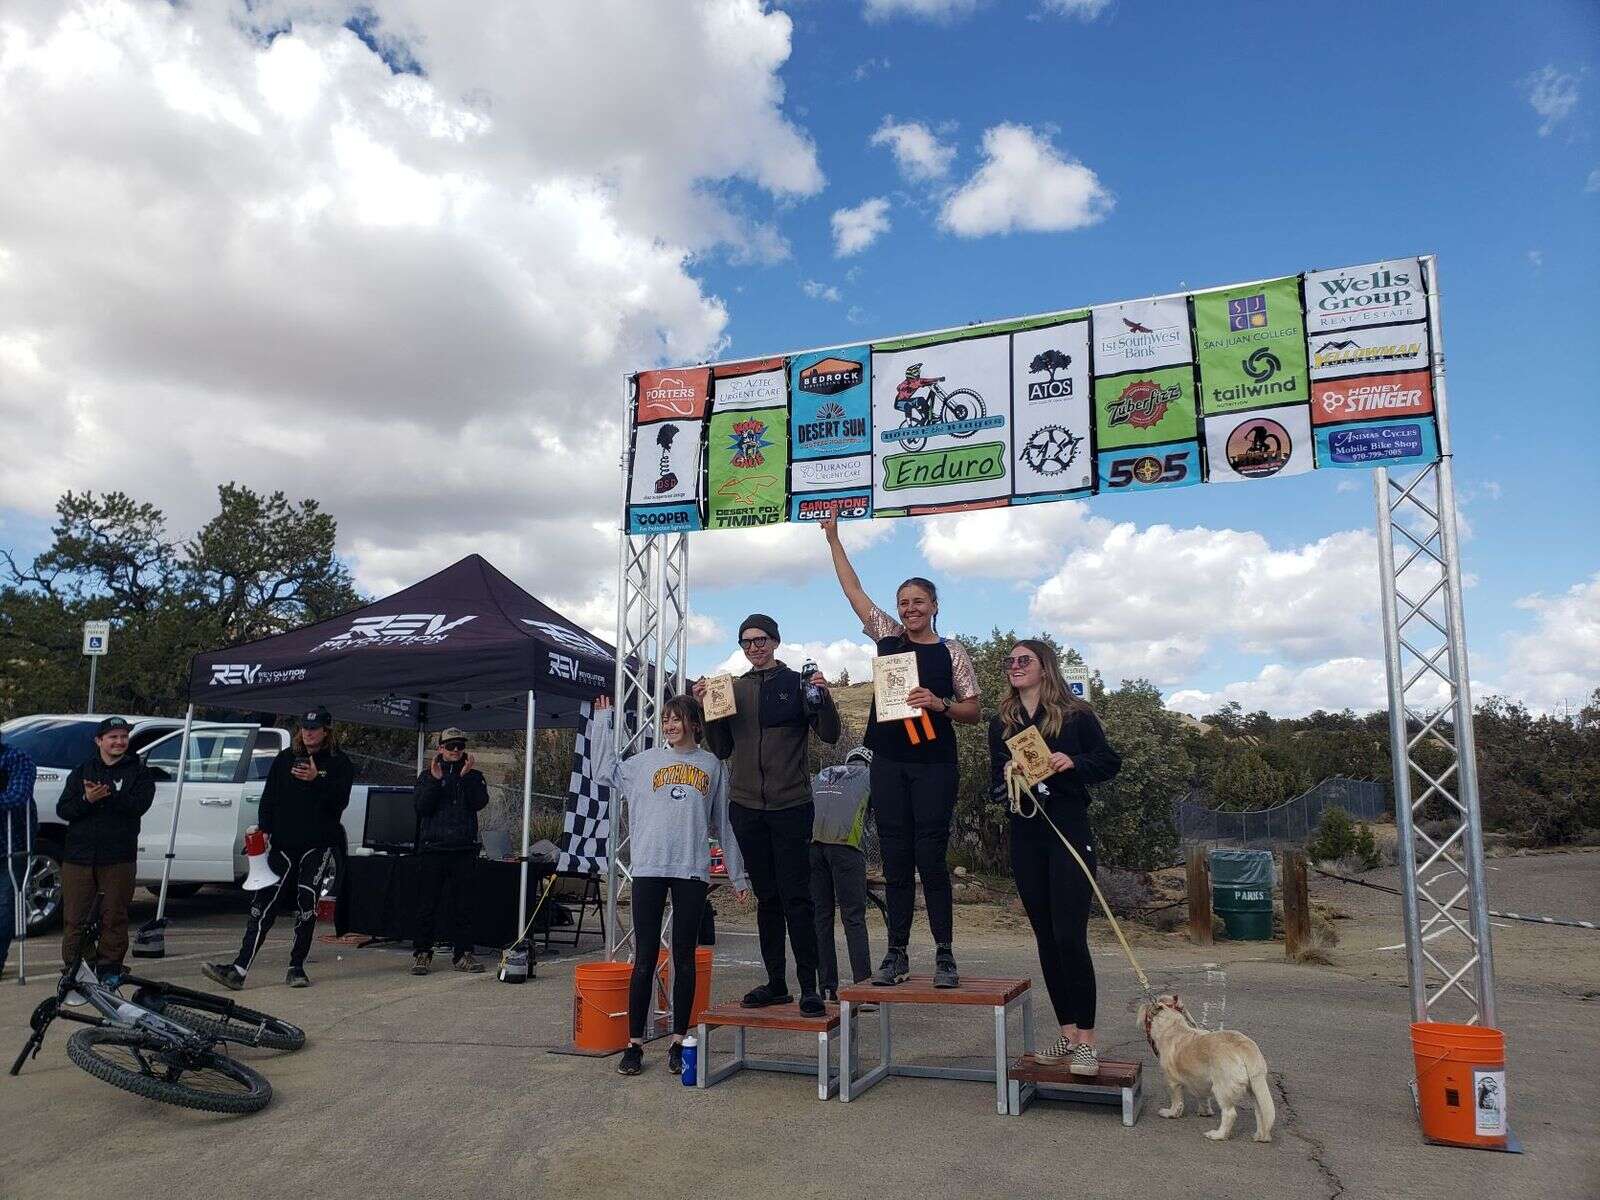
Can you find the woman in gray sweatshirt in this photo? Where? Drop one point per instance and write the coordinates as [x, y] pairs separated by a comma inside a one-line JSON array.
[[677, 798]]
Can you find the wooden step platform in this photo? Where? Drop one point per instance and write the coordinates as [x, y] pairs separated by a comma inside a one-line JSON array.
[[1118, 1083], [999, 996], [782, 1017]]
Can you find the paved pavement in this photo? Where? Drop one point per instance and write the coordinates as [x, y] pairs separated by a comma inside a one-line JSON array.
[[445, 1086]]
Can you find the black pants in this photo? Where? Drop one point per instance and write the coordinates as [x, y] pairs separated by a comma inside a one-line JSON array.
[[914, 804], [776, 846], [297, 870], [1056, 895], [442, 871], [840, 873], [650, 894]]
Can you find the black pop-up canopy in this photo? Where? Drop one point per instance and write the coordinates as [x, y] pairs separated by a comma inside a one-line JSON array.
[[463, 647]]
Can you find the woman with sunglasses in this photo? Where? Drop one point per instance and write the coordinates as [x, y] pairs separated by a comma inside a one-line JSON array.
[[915, 774], [1053, 888]]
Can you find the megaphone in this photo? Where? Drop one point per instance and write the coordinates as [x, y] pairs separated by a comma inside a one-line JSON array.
[[255, 849]]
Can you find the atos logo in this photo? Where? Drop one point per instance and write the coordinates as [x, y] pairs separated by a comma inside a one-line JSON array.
[[397, 629], [572, 639]]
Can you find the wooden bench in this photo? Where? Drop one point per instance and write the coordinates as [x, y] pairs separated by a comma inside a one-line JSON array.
[[781, 1017], [1117, 1083], [1001, 996]]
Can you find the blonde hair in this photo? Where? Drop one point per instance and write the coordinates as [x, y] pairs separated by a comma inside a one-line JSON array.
[[1055, 702], [298, 744]]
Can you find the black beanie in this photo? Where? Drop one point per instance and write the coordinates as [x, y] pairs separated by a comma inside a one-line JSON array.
[[762, 622]]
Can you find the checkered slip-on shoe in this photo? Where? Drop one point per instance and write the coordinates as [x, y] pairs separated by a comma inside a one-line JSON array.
[[1060, 1049], [1084, 1060]]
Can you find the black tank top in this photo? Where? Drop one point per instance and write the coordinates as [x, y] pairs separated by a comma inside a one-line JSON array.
[[936, 672]]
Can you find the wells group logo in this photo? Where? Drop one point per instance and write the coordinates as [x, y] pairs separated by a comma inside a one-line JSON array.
[[1377, 294], [398, 629], [1050, 389], [250, 674], [1142, 404], [830, 376], [747, 441]]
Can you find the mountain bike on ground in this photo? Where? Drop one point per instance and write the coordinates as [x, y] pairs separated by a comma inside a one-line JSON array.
[[162, 1043], [938, 407]]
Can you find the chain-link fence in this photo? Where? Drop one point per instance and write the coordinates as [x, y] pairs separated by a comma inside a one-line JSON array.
[[1289, 823]]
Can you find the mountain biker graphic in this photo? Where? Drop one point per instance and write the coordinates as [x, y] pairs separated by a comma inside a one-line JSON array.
[[908, 401]]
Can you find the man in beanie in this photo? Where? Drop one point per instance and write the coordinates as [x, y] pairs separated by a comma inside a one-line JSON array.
[[102, 802], [449, 795], [771, 809]]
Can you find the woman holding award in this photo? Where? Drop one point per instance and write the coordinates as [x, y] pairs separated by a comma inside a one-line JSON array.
[[914, 767], [1054, 890]]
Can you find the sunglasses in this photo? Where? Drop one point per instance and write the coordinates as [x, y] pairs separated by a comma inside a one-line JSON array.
[[755, 643], [1017, 661], [453, 746]]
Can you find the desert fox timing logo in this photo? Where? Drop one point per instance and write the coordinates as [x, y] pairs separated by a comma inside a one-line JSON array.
[[397, 629]]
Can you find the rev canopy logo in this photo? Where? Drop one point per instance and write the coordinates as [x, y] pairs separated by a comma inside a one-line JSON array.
[[572, 639], [398, 629], [249, 674]]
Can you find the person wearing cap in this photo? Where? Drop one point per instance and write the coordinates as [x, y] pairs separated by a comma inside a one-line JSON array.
[[102, 802], [449, 796], [307, 790], [771, 811]]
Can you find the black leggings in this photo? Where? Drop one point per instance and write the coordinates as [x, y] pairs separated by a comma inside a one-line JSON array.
[[913, 804], [650, 894], [1057, 895]]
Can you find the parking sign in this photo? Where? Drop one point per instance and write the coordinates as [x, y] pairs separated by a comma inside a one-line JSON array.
[[96, 637], [1076, 677]]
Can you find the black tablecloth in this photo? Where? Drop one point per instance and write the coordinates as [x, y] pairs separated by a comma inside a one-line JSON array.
[[378, 897]]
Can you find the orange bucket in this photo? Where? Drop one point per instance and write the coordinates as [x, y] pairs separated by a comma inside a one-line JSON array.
[[1461, 1083], [702, 982], [600, 1006]]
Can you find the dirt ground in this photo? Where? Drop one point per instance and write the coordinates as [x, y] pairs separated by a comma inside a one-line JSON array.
[[446, 1086]]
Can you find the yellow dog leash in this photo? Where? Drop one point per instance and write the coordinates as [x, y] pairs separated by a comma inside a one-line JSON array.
[[1021, 794]]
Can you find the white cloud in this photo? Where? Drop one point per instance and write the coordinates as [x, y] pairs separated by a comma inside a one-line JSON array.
[[1009, 543], [832, 657], [1559, 658], [1025, 185], [821, 291], [917, 150], [869, 67], [774, 554], [1083, 10], [1339, 683], [1553, 95], [928, 10], [854, 229], [1536, 259], [1593, 183], [401, 294]]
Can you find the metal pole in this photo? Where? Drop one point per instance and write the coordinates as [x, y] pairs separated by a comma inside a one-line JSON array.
[[94, 661], [619, 687], [177, 804], [422, 748], [527, 818]]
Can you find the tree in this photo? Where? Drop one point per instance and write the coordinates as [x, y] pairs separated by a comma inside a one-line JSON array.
[[844, 678], [1246, 781], [1052, 361], [1132, 815]]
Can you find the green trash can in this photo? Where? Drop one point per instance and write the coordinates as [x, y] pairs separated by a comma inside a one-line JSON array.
[[1241, 893]]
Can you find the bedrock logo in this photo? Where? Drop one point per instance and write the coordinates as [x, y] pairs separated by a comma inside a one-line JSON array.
[[398, 629]]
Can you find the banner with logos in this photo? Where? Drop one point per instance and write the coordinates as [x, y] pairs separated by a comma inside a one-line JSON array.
[[1327, 369]]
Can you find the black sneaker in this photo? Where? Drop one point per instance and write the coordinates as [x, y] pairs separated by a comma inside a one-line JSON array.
[[896, 968], [765, 996], [945, 974], [296, 977], [110, 976], [811, 1005], [632, 1060], [675, 1058], [228, 975]]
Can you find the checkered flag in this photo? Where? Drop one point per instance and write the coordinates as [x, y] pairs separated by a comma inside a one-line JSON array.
[[586, 828]]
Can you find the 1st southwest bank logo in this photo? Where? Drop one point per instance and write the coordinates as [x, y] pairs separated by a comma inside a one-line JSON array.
[[398, 629], [1136, 341], [830, 376]]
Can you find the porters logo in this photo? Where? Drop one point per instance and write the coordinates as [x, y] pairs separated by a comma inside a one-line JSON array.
[[1052, 388], [1259, 448], [1410, 394], [945, 468], [670, 395], [246, 674], [832, 429], [679, 394], [399, 629], [1142, 404], [830, 376], [1051, 450], [747, 441], [1247, 312], [1262, 365]]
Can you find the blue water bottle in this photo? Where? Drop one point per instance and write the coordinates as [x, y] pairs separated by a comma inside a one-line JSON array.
[[691, 1062]]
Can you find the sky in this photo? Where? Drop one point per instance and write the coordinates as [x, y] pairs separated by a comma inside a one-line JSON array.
[[401, 261]]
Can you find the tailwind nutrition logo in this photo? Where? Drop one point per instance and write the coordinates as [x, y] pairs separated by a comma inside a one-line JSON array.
[[1262, 365]]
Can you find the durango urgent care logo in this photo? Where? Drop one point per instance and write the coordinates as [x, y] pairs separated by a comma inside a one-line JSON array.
[[397, 629]]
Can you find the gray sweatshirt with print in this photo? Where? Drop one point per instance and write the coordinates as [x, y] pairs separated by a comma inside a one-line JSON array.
[[677, 801]]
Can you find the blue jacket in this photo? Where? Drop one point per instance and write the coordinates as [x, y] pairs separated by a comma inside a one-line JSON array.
[[17, 774]]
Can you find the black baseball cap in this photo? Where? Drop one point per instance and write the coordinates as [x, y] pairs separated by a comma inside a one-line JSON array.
[[109, 724], [316, 718]]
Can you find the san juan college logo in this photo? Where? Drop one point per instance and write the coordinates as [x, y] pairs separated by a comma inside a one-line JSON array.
[[1247, 312]]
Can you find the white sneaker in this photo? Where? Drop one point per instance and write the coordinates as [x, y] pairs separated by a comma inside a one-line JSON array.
[[1084, 1060], [1057, 1051]]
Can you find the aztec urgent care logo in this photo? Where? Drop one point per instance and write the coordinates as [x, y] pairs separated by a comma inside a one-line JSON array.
[[397, 629], [249, 674]]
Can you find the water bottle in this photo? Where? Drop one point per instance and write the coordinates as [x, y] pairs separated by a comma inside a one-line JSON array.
[[1213, 998], [691, 1061], [813, 692]]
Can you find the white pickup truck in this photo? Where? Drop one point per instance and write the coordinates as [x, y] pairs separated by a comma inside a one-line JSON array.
[[223, 780]]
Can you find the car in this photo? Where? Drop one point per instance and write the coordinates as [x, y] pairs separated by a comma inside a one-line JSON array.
[[224, 777]]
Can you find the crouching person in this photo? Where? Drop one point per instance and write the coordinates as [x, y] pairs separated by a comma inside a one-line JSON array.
[[839, 867], [450, 795]]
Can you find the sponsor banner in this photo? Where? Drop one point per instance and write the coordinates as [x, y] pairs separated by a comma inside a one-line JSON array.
[[1373, 397], [1140, 335], [747, 480], [847, 506], [666, 463], [749, 385], [831, 474], [1378, 444], [1252, 346], [830, 411], [1173, 465], [930, 510], [1144, 409], [1050, 409], [1368, 351], [1375, 294], [672, 518], [1261, 444], [941, 423], [677, 395], [1045, 497]]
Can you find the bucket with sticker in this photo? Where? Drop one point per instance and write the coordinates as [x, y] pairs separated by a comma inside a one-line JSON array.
[[1461, 1083]]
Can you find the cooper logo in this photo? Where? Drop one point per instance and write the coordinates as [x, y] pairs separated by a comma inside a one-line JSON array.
[[668, 519], [232, 674], [830, 376], [397, 629], [570, 638]]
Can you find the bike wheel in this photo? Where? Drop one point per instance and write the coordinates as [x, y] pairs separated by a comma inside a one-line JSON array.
[[220, 1019], [145, 1065], [963, 404], [911, 445]]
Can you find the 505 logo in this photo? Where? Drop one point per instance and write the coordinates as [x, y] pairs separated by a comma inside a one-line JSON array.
[[1149, 470]]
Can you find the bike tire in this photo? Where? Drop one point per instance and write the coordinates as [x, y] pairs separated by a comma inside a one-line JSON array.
[[246, 1090], [216, 1018], [977, 405]]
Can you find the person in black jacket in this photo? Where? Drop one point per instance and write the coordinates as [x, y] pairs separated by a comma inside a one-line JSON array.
[[102, 803], [308, 788], [449, 796], [1052, 886]]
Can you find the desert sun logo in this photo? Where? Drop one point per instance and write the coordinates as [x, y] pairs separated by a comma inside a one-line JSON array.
[[833, 429]]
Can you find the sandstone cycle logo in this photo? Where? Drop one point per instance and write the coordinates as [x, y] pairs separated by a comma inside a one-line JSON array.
[[1142, 404], [830, 376], [1258, 448]]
